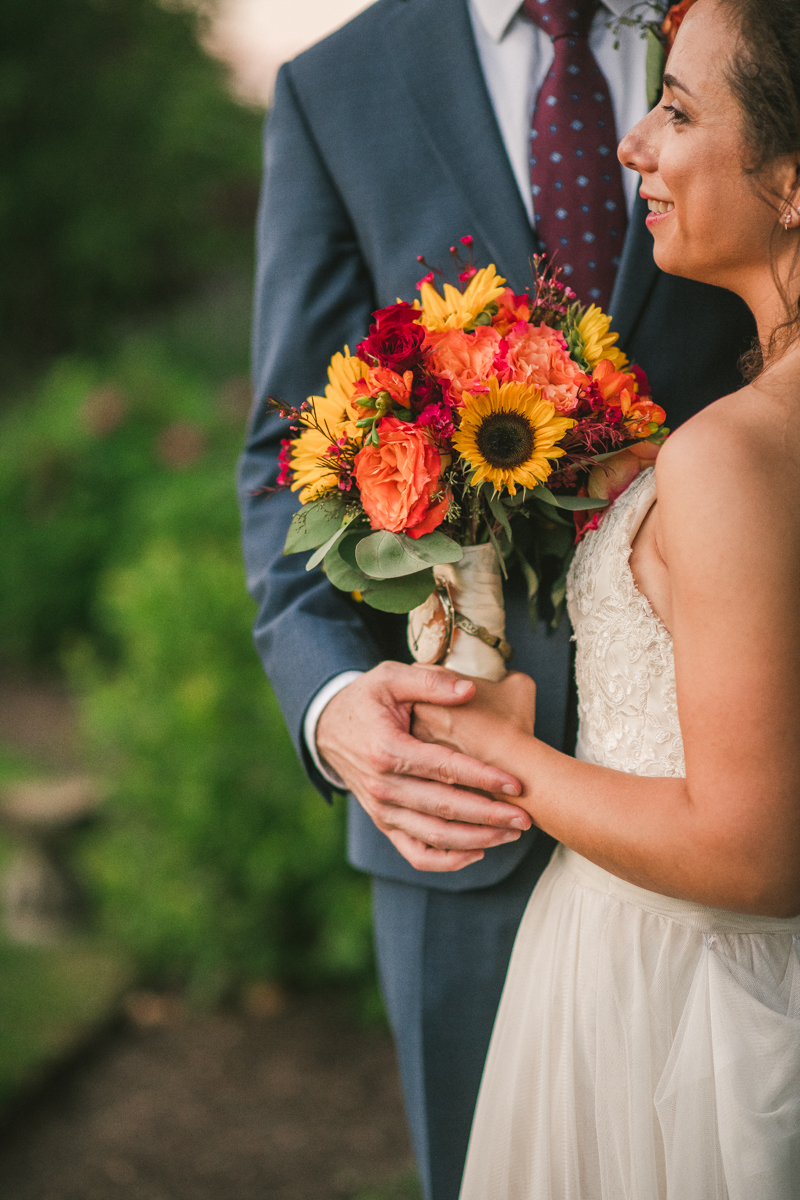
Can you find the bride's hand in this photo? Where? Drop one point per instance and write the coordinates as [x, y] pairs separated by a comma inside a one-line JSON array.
[[471, 728]]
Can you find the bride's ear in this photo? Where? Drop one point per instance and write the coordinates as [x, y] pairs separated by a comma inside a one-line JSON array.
[[789, 189]]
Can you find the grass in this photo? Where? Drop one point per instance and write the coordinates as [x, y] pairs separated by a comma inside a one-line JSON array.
[[14, 766], [406, 1187], [52, 998]]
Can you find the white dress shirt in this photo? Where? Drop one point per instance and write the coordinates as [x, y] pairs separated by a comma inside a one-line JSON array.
[[515, 56]]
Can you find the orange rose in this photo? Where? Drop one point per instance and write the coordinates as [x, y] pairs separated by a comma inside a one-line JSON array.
[[399, 478], [465, 359], [381, 379], [538, 355]]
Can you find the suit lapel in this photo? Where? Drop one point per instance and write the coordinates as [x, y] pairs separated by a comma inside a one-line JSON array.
[[637, 273], [441, 73]]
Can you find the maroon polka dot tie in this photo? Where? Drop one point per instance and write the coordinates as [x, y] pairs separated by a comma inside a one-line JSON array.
[[578, 198]]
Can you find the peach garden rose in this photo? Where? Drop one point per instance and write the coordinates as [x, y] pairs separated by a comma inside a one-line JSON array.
[[399, 478], [537, 355], [464, 359]]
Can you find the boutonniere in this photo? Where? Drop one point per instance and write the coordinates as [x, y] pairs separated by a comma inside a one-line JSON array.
[[659, 23]]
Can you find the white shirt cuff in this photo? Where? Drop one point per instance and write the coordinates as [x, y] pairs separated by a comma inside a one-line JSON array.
[[313, 714]]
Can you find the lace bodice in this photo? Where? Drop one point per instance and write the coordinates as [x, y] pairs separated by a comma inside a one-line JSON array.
[[627, 704]]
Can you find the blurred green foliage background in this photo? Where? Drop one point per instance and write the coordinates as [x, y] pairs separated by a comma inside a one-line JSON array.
[[126, 213], [127, 176]]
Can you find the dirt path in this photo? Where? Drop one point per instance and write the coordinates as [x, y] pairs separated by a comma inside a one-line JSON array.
[[38, 719], [303, 1105]]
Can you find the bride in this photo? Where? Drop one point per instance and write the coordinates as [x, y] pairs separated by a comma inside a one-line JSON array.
[[648, 1042]]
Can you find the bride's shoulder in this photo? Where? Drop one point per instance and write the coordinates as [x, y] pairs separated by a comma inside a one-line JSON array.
[[747, 443]]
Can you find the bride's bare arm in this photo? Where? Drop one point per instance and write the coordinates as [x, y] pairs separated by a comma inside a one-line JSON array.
[[729, 834]]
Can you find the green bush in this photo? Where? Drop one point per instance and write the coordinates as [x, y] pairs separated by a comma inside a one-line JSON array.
[[89, 459], [217, 861], [129, 177], [128, 173]]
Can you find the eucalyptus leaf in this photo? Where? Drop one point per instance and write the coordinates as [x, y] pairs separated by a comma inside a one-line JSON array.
[[385, 555], [570, 503], [553, 515], [318, 555], [530, 576], [341, 568], [499, 513], [313, 525], [598, 458], [499, 553], [399, 595], [435, 548]]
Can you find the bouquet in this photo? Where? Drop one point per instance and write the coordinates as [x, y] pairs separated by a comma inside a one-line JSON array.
[[470, 429]]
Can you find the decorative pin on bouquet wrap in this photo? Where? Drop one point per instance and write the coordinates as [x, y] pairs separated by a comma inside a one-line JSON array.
[[471, 430]]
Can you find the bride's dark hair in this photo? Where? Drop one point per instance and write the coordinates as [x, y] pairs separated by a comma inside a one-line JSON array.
[[765, 79]]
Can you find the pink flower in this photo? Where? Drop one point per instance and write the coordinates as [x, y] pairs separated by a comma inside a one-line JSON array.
[[464, 359], [285, 474], [538, 355], [439, 418]]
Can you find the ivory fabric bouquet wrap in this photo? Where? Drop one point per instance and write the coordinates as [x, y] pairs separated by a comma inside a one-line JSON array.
[[472, 431]]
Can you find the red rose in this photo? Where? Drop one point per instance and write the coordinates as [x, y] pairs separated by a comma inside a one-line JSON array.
[[395, 339]]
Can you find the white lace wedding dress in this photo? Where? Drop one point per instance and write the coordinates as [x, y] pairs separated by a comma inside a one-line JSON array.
[[645, 1048]]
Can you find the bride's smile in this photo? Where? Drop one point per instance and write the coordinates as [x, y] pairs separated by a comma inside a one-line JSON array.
[[658, 208], [714, 203]]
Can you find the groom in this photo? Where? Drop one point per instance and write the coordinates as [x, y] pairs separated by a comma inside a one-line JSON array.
[[419, 122]]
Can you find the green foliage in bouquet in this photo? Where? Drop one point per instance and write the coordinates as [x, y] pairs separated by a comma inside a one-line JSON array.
[[474, 416]]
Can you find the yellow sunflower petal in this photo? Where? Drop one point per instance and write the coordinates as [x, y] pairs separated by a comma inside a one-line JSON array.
[[598, 340], [336, 415], [533, 422], [343, 373], [458, 310]]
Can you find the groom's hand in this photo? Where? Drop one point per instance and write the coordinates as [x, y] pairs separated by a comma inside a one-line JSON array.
[[414, 791]]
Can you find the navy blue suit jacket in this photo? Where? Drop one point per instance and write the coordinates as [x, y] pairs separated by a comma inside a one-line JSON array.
[[382, 145]]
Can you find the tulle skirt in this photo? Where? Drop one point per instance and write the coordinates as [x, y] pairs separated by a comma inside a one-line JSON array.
[[645, 1049]]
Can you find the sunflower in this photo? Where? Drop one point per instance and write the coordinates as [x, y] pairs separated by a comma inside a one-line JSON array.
[[336, 417], [509, 435], [458, 310], [598, 341]]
